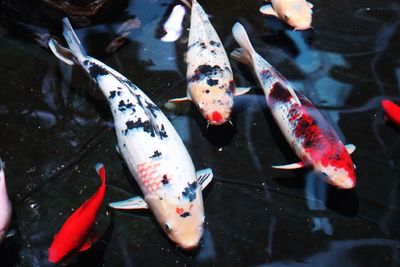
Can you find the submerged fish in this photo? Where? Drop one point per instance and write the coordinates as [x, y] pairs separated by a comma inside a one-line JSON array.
[[173, 25], [151, 147], [296, 13], [209, 75], [5, 205], [75, 234], [311, 137], [392, 111]]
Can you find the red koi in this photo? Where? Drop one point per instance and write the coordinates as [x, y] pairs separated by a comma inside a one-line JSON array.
[[392, 111], [75, 234]]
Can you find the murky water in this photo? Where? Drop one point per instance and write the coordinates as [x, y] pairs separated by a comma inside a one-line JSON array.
[[55, 126]]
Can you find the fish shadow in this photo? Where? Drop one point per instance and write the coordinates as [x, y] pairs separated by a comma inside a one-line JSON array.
[[218, 135], [95, 255], [344, 202]]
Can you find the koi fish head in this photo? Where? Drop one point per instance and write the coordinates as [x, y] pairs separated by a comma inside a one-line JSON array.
[[214, 104], [182, 220], [341, 177], [297, 14]]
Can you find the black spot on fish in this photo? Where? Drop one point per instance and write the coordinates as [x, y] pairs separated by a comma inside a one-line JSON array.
[[213, 43], [86, 62], [96, 70], [207, 91], [203, 45], [112, 94], [205, 71], [212, 82], [185, 214], [163, 133], [165, 180], [153, 108], [122, 106], [190, 191], [131, 125], [156, 154]]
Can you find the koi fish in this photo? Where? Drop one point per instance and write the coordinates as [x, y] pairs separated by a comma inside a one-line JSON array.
[[296, 13], [151, 147], [173, 25], [75, 234], [392, 111], [311, 137], [209, 74], [5, 205]]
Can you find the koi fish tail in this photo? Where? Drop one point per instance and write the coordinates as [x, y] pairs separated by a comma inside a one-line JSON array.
[[188, 3], [72, 55], [245, 53], [101, 171]]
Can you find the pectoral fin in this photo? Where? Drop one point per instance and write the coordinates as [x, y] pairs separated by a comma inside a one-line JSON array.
[[268, 10], [204, 177], [241, 90], [133, 203], [350, 148], [182, 99], [62, 53], [310, 5], [292, 166], [10, 233]]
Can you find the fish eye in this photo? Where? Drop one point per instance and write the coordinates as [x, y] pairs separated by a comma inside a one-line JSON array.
[[167, 226], [286, 17], [324, 174]]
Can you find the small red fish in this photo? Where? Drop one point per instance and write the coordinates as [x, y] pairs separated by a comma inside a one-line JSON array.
[[75, 234], [392, 111]]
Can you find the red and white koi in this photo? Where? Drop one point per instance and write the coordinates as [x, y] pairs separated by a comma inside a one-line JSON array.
[[392, 111], [311, 137], [151, 147], [75, 234], [173, 25], [5, 205], [209, 74], [296, 13]]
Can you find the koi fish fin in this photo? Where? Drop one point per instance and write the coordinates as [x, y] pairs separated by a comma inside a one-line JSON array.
[[182, 99], [10, 233], [246, 51], [204, 177], [117, 149], [292, 166], [310, 5], [268, 10], [350, 148], [72, 40], [241, 90], [187, 3], [61, 52], [133, 203], [101, 171], [93, 238]]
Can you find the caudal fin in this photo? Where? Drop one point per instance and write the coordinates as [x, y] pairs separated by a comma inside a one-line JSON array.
[[101, 171], [72, 40], [241, 37]]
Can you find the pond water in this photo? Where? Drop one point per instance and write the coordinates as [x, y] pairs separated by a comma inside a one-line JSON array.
[[55, 126]]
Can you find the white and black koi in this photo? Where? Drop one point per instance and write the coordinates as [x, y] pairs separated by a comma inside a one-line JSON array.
[[209, 75], [311, 137], [151, 147]]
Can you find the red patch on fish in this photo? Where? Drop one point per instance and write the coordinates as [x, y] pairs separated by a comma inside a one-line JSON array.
[[179, 211], [75, 233], [392, 111], [317, 137], [215, 117]]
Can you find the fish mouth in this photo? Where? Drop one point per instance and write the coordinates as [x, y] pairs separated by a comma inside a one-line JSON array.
[[216, 118], [190, 247]]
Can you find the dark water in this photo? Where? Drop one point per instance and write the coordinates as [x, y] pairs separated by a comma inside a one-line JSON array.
[[55, 126]]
